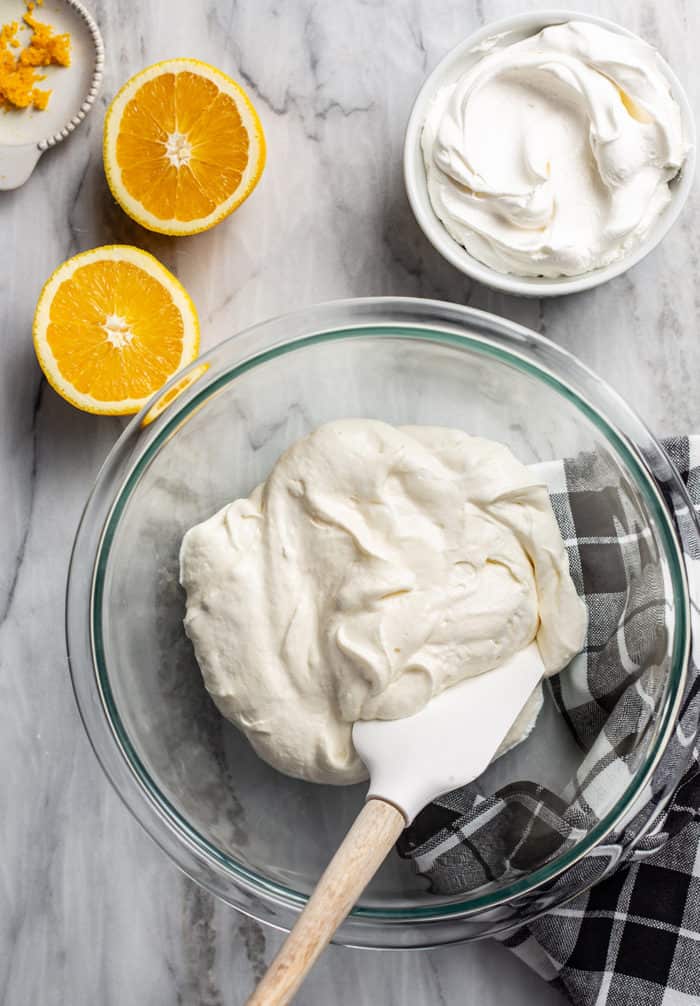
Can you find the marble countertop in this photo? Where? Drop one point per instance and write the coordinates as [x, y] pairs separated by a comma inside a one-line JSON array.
[[90, 909]]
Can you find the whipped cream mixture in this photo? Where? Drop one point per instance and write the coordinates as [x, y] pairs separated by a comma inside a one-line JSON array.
[[552, 156], [376, 567]]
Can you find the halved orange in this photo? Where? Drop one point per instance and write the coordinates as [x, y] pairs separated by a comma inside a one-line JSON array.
[[183, 146], [111, 326]]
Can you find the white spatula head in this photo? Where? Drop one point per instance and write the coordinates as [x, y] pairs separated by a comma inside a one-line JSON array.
[[450, 741]]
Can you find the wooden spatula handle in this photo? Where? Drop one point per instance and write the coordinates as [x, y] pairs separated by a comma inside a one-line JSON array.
[[364, 849]]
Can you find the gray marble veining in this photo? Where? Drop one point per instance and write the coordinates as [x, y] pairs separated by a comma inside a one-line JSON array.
[[90, 909]]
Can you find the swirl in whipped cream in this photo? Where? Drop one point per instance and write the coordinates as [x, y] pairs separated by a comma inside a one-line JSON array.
[[374, 568], [552, 156]]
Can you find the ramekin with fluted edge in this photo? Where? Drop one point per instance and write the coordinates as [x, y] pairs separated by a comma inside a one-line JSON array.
[[454, 64], [24, 137]]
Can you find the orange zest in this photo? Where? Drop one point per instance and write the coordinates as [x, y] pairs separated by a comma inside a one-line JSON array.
[[19, 70]]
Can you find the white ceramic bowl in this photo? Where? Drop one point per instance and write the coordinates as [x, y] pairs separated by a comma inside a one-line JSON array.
[[453, 66], [26, 135]]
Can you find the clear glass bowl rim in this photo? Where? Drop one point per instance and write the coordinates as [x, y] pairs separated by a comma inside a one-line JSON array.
[[435, 321]]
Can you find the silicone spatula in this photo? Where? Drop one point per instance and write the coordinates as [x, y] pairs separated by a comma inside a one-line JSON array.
[[410, 762]]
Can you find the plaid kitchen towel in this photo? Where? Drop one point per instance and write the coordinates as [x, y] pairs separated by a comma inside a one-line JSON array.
[[634, 938]]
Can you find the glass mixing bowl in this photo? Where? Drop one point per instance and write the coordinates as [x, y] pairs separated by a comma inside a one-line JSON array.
[[246, 833]]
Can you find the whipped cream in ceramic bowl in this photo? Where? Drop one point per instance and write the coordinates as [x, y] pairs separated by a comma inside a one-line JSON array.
[[553, 152]]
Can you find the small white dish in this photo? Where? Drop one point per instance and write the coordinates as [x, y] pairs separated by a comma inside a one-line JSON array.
[[25, 133], [447, 71]]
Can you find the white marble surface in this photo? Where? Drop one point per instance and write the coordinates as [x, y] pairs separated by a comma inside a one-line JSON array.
[[90, 909]]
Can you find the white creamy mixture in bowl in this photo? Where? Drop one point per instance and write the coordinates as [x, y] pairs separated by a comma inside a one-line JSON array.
[[549, 153], [372, 570]]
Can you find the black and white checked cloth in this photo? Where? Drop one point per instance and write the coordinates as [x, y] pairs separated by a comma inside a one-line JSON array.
[[634, 938]]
